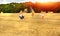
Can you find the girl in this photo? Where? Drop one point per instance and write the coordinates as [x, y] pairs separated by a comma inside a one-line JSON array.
[[42, 14]]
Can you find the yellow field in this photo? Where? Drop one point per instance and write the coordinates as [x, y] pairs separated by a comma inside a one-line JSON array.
[[12, 25]]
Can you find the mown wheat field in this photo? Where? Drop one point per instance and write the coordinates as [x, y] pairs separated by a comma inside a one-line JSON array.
[[12, 25]]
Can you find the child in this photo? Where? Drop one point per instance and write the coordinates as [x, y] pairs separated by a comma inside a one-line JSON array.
[[21, 15], [42, 14], [32, 13]]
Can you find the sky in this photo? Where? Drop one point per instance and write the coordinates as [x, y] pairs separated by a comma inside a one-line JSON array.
[[9, 1]]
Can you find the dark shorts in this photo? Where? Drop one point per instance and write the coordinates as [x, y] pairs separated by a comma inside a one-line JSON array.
[[21, 17]]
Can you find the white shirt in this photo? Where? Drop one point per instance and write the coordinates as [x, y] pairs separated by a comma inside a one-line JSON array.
[[42, 14], [21, 15]]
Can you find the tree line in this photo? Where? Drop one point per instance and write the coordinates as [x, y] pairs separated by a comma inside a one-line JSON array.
[[12, 7], [37, 7]]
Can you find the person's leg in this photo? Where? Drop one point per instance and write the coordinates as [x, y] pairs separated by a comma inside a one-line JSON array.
[[42, 17], [32, 14]]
